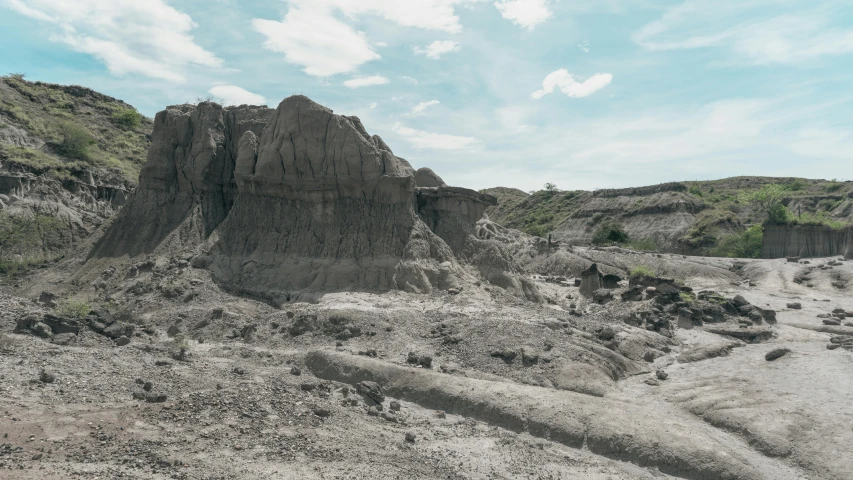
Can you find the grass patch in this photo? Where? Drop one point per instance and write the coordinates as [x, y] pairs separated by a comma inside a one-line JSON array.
[[642, 271], [687, 297], [75, 309]]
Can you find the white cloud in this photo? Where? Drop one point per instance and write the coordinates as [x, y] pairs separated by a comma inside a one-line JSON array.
[[426, 14], [381, 44], [317, 34], [759, 32], [409, 79], [419, 108], [584, 46], [147, 38], [436, 141], [372, 105], [234, 95], [438, 48], [525, 13], [359, 82], [317, 41], [563, 80]]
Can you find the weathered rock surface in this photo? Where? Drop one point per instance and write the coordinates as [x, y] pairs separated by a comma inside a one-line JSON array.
[[299, 201], [806, 241]]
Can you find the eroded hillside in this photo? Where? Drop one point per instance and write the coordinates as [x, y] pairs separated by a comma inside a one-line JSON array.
[[682, 217]]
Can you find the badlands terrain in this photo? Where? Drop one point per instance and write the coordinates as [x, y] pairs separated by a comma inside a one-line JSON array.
[[280, 296]]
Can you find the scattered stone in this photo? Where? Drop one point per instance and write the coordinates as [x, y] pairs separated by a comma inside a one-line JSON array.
[[795, 306], [661, 375], [652, 381], [831, 322], [441, 414], [607, 333], [776, 353], [602, 296], [389, 417], [294, 370], [410, 437], [307, 387], [46, 377], [322, 412], [42, 330], [394, 406], [238, 370], [371, 390], [149, 397], [373, 412], [122, 341]]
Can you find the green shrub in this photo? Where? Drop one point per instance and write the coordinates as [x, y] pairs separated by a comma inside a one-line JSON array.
[[608, 234], [743, 245], [687, 297], [73, 140], [796, 184], [695, 190], [642, 271], [833, 185], [127, 118], [74, 309], [780, 215], [536, 230]]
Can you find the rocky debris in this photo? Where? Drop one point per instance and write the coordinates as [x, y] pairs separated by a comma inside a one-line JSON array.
[[421, 360], [411, 437], [661, 375], [776, 353], [507, 355], [149, 397], [831, 321], [602, 296], [425, 177], [46, 377], [793, 259], [294, 370], [322, 412], [394, 406], [794, 306], [371, 390], [122, 341], [529, 356], [303, 324], [634, 293]]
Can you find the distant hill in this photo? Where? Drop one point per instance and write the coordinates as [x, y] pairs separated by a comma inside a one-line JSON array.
[[69, 158], [683, 217], [63, 131]]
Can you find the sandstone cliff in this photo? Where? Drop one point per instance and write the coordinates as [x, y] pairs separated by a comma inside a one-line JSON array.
[[806, 241], [298, 200]]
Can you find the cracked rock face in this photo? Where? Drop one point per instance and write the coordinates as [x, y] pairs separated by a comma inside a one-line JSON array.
[[298, 201]]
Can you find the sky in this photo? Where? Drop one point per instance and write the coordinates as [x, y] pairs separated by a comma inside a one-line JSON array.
[[515, 93]]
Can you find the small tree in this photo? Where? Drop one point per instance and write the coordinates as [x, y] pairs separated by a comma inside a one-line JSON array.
[[74, 141], [609, 233], [769, 200], [127, 118], [550, 187]]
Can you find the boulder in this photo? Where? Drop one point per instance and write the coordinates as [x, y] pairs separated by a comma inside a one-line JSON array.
[[425, 177], [591, 280]]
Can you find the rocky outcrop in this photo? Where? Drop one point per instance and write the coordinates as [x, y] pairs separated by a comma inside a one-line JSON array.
[[806, 241], [425, 177], [297, 201], [187, 185]]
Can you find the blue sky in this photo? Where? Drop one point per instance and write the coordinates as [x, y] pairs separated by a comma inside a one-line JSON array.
[[515, 93]]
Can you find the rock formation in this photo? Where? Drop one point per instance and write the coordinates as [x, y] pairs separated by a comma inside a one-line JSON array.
[[298, 201], [806, 241]]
